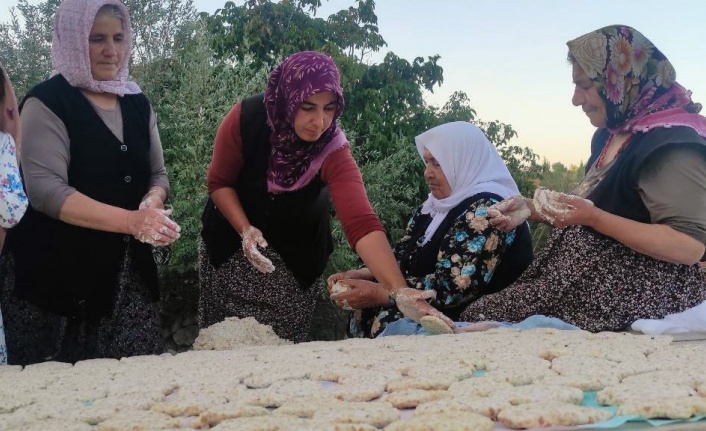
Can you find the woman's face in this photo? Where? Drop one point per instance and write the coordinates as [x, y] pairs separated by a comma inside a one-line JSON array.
[[586, 96], [315, 116], [435, 178], [106, 47]]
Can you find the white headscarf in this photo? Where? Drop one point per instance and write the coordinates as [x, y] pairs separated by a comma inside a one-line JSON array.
[[470, 163]]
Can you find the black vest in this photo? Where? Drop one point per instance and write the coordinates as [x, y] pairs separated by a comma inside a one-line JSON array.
[[295, 224], [516, 258], [69, 269], [617, 193]]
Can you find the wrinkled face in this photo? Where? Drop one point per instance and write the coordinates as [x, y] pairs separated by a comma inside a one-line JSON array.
[[586, 96], [315, 116], [435, 178], [106, 47]]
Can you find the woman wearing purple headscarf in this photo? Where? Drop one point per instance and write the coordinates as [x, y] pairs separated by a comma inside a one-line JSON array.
[[78, 279], [628, 238], [278, 159]]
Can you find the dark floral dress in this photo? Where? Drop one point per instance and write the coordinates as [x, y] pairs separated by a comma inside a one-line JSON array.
[[594, 282], [466, 259]]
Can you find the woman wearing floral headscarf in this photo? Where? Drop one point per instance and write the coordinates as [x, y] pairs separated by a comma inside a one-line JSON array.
[[278, 159], [629, 237], [78, 279]]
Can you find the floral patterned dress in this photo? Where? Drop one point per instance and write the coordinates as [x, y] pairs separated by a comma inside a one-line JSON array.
[[464, 263], [13, 203]]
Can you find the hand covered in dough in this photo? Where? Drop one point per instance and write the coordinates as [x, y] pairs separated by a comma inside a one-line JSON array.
[[509, 213], [153, 226], [252, 238], [353, 274], [573, 210], [412, 303], [362, 294]]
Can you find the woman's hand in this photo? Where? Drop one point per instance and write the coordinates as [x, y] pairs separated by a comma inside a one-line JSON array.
[[353, 274], [154, 198], [363, 294], [153, 226], [509, 213], [412, 303], [579, 211], [252, 238]]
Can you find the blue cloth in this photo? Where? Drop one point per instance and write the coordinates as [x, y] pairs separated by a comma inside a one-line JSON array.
[[409, 327]]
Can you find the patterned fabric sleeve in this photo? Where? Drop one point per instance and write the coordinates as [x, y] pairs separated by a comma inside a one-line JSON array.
[[468, 256], [13, 201]]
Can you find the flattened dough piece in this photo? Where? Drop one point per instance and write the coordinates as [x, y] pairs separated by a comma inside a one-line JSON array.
[[538, 415], [435, 325], [452, 421]]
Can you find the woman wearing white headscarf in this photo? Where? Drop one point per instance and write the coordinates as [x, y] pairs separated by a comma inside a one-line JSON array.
[[450, 247], [77, 276]]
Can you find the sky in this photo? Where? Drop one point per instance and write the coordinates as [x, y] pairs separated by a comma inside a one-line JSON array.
[[509, 56]]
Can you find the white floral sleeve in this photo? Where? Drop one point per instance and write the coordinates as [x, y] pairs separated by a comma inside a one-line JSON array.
[[14, 199]]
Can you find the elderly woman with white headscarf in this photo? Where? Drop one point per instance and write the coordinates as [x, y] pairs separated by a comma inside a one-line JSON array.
[[77, 276], [450, 250]]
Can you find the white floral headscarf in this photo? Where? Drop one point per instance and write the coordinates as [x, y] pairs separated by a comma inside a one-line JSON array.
[[69, 50]]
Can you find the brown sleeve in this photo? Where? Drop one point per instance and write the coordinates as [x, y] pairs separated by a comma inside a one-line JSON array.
[[158, 169], [227, 160], [673, 188], [45, 158], [353, 209]]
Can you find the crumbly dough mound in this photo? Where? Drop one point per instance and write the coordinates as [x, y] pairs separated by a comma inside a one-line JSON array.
[[234, 332]]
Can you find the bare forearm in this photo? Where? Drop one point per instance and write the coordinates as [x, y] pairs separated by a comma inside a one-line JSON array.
[[80, 210], [148, 224], [656, 240], [228, 203], [377, 255]]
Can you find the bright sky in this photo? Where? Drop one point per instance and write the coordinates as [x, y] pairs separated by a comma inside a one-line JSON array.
[[509, 56]]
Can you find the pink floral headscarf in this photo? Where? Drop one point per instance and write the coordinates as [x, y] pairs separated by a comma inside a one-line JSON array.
[[633, 77], [69, 50], [293, 162]]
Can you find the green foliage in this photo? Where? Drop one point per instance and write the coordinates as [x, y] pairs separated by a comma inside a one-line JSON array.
[[156, 24], [25, 44], [194, 68], [191, 92], [393, 185]]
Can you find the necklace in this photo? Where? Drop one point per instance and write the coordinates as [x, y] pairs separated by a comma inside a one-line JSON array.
[[604, 151]]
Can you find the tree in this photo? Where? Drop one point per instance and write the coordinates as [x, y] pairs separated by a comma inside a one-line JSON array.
[[25, 43], [194, 68]]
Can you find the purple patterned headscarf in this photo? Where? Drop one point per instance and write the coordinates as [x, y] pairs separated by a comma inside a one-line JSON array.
[[69, 49], [633, 77], [294, 162]]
